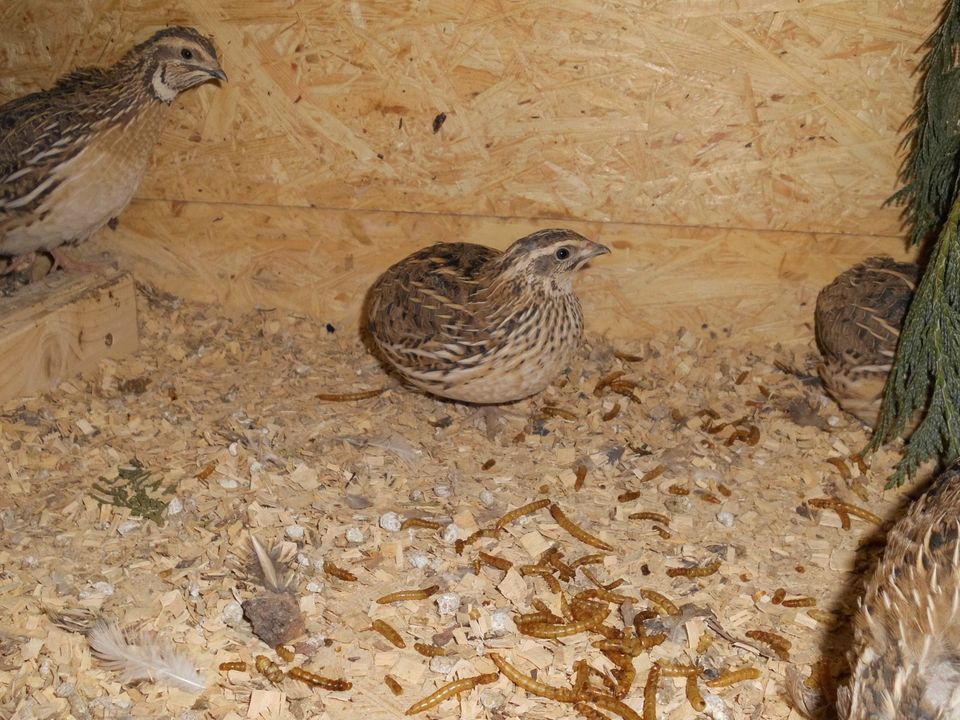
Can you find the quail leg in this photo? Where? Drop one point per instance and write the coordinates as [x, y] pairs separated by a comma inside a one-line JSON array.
[[70, 264]]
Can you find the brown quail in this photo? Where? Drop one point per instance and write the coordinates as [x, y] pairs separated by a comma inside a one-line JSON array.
[[471, 323], [71, 157], [858, 320], [906, 651]]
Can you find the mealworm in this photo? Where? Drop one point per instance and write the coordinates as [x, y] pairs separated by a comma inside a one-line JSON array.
[[631, 646], [540, 617], [860, 463], [647, 515], [338, 572], [581, 477], [625, 388], [841, 507], [238, 665], [320, 681], [207, 471], [488, 464], [285, 653], [671, 670], [429, 650], [695, 572], [734, 676], [553, 411], [662, 532], [710, 498], [532, 686], [626, 357], [552, 583], [694, 696], [449, 690], [779, 644], [653, 474], [459, 545], [346, 397], [778, 596], [611, 413], [389, 632], [601, 593], [269, 669], [606, 380], [589, 712], [629, 496], [494, 561], [724, 490], [519, 512], [402, 595], [841, 466], [800, 602], [678, 490], [650, 693], [625, 677], [661, 601], [543, 630], [642, 616], [589, 559], [391, 682], [578, 532], [420, 523], [555, 559], [582, 670], [741, 377]]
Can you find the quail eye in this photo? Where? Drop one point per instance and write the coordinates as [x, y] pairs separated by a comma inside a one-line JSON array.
[[562, 253], [186, 54]]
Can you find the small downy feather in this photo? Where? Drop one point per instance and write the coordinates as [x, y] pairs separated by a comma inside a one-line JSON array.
[[146, 660], [267, 567]]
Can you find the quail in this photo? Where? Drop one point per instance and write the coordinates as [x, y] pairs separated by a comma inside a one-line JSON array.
[[71, 157], [858, 319], [906, 648], [470, 323]]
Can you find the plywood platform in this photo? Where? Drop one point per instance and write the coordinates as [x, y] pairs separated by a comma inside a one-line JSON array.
[[64, 325]]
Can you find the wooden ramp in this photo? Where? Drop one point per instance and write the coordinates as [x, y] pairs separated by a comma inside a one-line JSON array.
[[62, 326]]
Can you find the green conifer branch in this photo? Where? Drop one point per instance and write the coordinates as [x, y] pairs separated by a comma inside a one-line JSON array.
[[930, 171], [926, 371]]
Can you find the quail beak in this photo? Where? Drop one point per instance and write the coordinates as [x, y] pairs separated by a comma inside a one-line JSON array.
[[218, 74], [592, 251], [597, 249]]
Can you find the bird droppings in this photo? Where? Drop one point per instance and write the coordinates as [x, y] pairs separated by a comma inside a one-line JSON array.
[[243, 400]]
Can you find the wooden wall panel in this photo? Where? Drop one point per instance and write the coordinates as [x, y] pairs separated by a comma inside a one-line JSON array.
[[749, 286], [759, 114]]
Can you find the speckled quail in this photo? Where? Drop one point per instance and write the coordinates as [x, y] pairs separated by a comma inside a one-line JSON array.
[[858, 320], [906, 651], [71, 157], [471, 323]]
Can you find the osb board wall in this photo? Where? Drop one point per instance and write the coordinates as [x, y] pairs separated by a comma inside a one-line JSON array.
[[659, 117]]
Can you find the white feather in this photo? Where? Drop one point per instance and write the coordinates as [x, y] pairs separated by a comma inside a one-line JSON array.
[[146, 660]]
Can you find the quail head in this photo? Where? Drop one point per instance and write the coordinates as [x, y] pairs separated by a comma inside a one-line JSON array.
[[906, 649], [470, 323], [858, 320], [71, 157]]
